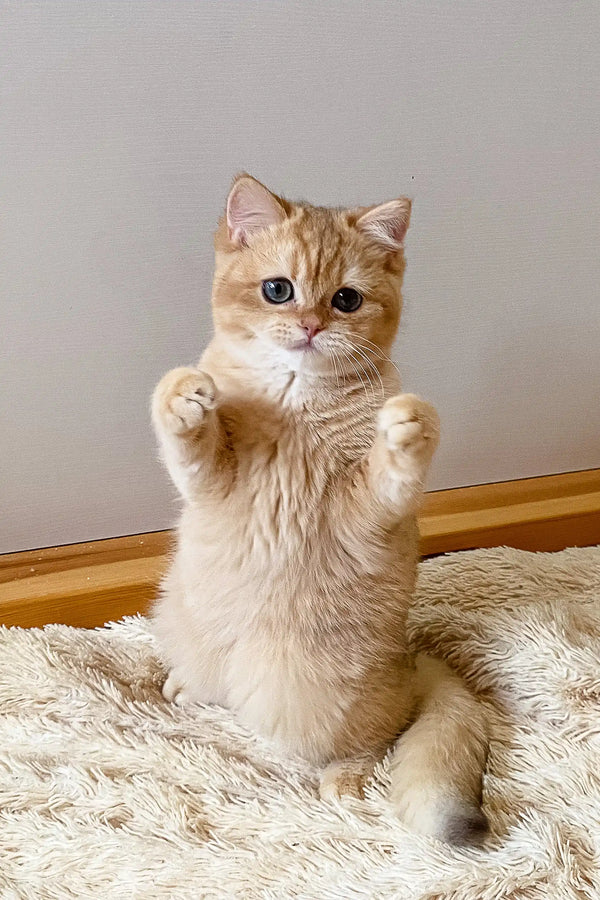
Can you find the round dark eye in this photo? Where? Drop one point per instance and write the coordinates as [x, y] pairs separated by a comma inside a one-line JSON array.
[[278, 290], [346, 300]]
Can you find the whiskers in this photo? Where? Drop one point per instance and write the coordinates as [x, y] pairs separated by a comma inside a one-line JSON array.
[[354, 362], [344, 350], [370, 347]]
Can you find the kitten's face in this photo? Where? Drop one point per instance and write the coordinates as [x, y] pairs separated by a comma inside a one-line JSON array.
[[311, 288]]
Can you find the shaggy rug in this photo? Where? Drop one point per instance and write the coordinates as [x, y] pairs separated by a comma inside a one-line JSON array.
[[107, 791]]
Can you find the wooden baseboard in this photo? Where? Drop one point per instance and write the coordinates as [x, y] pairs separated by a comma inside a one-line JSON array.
[[91, 583], [547, 513], [82, 584]]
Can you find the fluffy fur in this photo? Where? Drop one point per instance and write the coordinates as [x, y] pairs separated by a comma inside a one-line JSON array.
[[110, 792], [301, 467]]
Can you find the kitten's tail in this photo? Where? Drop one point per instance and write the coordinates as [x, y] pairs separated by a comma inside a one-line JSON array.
[[439, 761]]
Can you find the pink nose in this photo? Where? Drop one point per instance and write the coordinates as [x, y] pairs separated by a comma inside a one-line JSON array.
[[311, 326]]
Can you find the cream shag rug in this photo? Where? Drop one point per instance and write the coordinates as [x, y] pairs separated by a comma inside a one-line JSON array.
[[107, 791]]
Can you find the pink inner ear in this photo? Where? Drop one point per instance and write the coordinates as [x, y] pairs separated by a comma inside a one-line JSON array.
[[250, 208], [388, 223]]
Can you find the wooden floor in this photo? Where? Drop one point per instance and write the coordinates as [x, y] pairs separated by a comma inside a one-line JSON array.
[[88, 584]]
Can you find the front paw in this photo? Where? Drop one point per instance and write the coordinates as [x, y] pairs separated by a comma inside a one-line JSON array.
[[182, 401], [410, 428]]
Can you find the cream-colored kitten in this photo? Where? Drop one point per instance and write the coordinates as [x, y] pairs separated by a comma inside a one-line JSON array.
[[301, 468]]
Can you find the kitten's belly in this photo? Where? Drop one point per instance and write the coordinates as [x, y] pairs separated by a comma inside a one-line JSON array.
[[296, 664], [294, 685], [282, 701], [320, 707]]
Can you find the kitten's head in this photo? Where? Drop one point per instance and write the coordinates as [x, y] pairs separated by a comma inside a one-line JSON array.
[[306, 284]]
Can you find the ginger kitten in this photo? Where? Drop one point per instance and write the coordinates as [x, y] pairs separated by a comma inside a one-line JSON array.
[[301, 467]]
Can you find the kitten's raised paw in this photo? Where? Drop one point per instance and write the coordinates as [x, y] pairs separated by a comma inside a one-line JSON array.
[[183, 399], [410, 426]]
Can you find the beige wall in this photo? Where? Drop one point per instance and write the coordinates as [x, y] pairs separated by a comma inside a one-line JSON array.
[[121, 126]]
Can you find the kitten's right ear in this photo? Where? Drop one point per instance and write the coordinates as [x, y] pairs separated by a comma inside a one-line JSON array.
[[250, 208]]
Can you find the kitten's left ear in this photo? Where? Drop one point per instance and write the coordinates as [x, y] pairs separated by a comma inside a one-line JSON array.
[[250, 208], [387, 224]]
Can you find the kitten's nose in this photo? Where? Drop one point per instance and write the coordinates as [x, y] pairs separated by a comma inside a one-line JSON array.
[[312, 326]]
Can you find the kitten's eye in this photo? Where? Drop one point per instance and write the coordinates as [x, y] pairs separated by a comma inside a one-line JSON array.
[[278, 290], [346, 300]]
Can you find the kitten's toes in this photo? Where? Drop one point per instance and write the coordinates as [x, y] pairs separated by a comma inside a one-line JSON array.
[[409, 425], [183, 399], [173, 689], [344, 778]]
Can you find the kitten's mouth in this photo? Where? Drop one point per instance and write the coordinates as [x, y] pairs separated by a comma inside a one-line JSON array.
[[307, 345]]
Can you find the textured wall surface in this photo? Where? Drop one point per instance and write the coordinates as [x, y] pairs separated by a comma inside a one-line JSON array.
[[121, 126]]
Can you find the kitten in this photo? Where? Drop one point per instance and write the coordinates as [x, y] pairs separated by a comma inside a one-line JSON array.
[[301, 467]]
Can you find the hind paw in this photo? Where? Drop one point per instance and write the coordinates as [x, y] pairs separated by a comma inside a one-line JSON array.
[[345, 778], [174, 689]]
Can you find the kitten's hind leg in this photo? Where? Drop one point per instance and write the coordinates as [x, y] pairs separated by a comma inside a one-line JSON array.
[[193, 658], [346, 777]]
